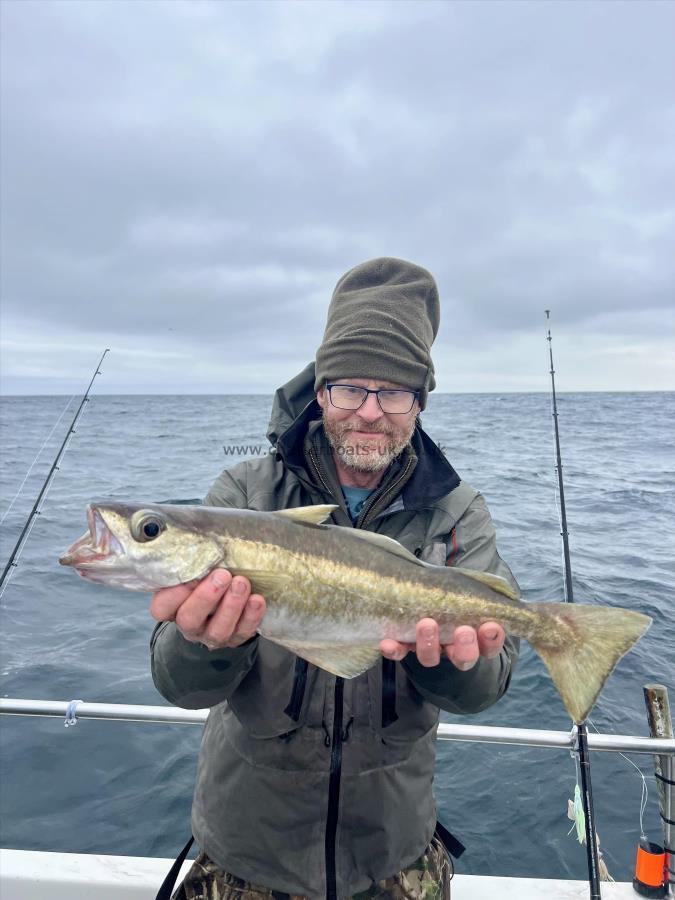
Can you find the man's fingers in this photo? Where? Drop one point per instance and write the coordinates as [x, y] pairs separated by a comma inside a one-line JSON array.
[[165, 603], [468, 644], [222, 631], [463, 651], [253, 614], [491, 637], [192, 615], [427, 645], [222, 625], [395, 649]]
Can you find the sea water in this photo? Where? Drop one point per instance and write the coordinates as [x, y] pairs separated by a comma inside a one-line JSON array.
[[125, 788]]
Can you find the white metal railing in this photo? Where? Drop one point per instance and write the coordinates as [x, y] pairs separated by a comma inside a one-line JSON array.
[[530, 737]]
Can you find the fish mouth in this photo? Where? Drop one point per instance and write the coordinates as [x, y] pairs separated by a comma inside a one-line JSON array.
[[96, 545]]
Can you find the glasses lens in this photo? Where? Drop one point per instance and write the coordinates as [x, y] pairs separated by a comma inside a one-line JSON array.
[[346, 396], [396, 401]]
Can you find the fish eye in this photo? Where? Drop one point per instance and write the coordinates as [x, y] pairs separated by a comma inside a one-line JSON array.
[[146, 526]]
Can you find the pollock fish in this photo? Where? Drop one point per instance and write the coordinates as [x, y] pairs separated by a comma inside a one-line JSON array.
[[334, 593]]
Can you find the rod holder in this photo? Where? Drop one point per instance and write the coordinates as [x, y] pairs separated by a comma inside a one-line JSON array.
[[661, 727]]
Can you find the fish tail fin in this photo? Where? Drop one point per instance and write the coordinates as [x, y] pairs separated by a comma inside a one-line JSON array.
[[598, 637]]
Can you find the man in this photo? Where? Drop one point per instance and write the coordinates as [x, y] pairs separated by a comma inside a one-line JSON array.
[[311, 785]]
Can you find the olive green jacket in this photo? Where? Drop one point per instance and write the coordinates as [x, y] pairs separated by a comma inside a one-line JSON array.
[[307, 783]]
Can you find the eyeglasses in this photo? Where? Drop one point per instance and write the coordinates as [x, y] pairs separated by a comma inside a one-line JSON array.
[[392, 402]]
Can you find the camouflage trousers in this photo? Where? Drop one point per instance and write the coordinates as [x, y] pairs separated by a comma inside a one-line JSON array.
[[428, 878]]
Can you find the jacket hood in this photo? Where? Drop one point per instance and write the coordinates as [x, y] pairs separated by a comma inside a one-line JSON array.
[[295, 406], [290, 400]]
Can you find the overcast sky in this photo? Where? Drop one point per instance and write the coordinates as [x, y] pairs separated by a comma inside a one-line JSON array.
[[184, 182]]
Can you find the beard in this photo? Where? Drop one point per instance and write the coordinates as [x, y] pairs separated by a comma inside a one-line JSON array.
[[361, 454]]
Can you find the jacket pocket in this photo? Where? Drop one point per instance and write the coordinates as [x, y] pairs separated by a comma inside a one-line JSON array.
[[273, 699], [256, 721]]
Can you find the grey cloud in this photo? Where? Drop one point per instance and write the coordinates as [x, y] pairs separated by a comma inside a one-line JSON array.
[[213, 168]]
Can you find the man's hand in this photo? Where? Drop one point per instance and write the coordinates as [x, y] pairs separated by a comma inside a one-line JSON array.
[[218, 611], [463, 651]]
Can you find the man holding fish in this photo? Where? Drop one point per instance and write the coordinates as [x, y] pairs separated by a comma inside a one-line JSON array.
[[310, 785], [325, 651]]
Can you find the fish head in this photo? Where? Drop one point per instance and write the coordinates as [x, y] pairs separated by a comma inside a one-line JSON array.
[[141, 547]]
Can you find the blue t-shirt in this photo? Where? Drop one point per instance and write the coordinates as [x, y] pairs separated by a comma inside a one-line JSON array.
[[355, 498]]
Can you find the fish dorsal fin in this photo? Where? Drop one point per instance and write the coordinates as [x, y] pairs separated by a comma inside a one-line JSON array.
[[308, 515], [386, 543], [496, 582], [316, 515]]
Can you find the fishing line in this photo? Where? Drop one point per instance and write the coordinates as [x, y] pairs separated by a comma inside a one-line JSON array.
[[30, 468], [18, 555], [645, 790], [35, 511]]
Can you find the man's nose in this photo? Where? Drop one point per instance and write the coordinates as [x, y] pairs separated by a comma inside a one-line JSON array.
[[370, 411]]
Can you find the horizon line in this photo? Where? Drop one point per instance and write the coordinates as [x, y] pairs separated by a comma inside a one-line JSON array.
[[271, 393]]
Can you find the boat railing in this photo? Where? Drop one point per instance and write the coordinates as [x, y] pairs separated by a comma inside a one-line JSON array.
[[73, 710]]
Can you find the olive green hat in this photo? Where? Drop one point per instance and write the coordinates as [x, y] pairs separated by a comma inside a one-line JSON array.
[[382, 320]]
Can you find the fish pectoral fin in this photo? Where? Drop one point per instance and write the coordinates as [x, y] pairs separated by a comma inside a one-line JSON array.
[[338, 659], [308, 515], [496, 582], [266, 583]]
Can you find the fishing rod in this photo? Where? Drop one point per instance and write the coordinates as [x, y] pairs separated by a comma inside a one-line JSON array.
[[582, 734], [11, 562]]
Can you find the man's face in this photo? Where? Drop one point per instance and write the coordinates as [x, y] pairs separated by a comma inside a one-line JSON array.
[[366, 439]]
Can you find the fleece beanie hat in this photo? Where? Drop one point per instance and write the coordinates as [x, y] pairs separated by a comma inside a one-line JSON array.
[[382, 320]]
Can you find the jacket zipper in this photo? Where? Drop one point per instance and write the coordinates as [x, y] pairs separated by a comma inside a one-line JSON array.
[[317, 469], [335, 743], [338, 735], [334, 791], [383, 498], [376, 500]]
